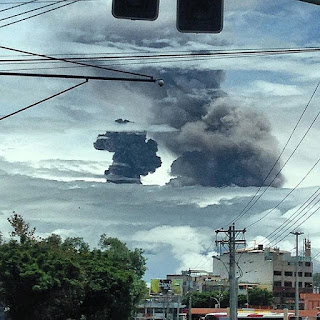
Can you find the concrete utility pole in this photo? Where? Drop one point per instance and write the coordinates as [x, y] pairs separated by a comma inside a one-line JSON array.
[[189, 299], [297, 234], [233, 283]]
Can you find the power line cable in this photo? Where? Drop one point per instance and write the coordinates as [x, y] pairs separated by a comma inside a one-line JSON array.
[[291, 191], [296, 221], [278, 49], [31, 10], [307, 218], [253, 199], [223, 53], [302, 207], [305, 176], [38, 14], [74, 62], [43, 100], [118, 64], [18, 5], [200, 264]]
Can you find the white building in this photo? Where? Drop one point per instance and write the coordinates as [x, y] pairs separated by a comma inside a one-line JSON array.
[[271, 268]]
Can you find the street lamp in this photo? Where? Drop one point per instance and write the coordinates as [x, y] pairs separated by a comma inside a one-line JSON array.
[[218, 301]]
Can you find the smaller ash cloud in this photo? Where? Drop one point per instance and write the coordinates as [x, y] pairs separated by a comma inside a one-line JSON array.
[[134, 155]]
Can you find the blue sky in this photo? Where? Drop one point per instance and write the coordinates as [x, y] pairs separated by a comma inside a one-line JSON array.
[[52, 175]]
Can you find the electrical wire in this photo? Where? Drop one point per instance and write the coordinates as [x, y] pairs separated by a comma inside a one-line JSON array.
[[294, 221], [43, 100], [38, 14], [223, 53], [31, 10], [18, 5], [291, 191], [302, 207], [278, 49], [74, 62], [111, 65], [145, 62], [307, 218], [253, 199], [200, 263]]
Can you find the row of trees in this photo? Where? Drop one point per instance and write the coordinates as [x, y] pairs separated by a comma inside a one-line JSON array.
[[50, 278], [255, 297]]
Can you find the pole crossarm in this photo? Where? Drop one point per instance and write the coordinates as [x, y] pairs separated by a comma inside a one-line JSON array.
[[231, 241]]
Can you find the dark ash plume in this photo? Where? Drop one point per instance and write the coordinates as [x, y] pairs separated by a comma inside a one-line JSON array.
[[227, 146], [217, 142], [133, 155]]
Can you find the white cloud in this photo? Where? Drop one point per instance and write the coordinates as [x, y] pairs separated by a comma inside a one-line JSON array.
[[277, 89], [164, 221], [186, 244]]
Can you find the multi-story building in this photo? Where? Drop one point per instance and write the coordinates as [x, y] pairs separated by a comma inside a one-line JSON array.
[[270, 268], [198, 280]]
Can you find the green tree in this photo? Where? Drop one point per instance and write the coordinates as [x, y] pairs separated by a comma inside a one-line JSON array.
[[210, 299], [316, 280], [260, 297], [242, 300], [60, 279]]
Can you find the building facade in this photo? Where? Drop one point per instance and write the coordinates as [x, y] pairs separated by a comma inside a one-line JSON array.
[[272, 269], [198, 280]]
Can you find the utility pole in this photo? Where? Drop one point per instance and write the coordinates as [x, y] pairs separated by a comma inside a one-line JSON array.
[[189, 298], [297, 234], [233, 283]]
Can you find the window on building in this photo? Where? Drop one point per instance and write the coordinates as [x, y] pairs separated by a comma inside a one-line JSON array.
[[300, 263], [300, 284], [308, 264], [288, 273], [277, 283], [308, 285], [299, 274], [288, 284], [308, 274], [277, 273], [289, 263]]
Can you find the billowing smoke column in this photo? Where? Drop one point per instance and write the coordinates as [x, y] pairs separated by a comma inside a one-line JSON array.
[[228, 146], [133, 155], [218, 142]]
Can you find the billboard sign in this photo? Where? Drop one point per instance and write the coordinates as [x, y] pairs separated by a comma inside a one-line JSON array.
[[165, 286]]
